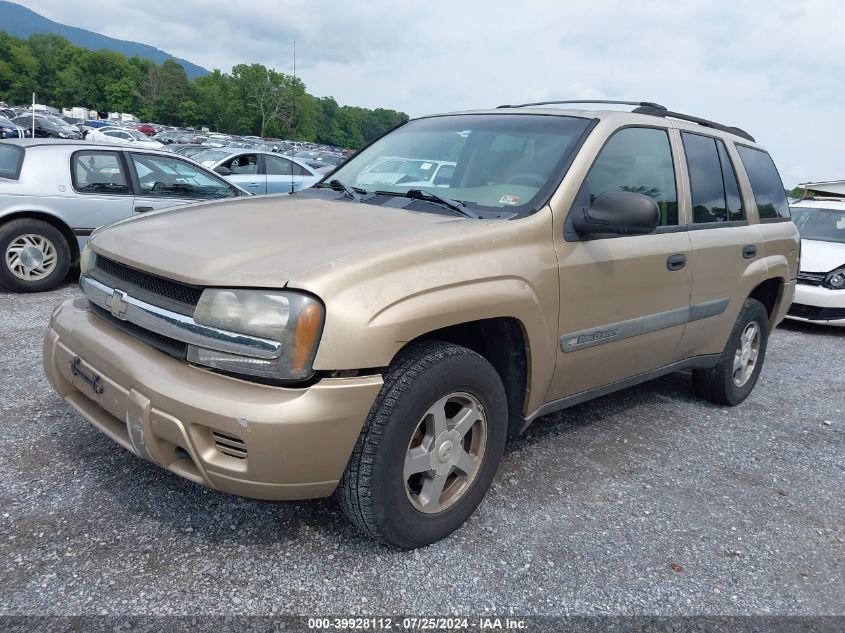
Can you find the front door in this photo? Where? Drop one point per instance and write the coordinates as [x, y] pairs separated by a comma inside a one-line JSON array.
[[624, 300], [166, 181], [246, 173]]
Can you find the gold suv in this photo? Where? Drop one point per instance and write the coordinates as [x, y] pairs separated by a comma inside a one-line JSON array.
[[381, 335]]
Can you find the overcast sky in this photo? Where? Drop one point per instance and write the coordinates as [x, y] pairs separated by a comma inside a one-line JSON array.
[[775, 68]]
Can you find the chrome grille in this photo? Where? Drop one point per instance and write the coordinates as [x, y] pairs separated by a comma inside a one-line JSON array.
[[165, 293]]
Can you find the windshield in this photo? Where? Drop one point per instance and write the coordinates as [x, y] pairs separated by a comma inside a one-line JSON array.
[[138, 136], [825, 225], [510, 161]]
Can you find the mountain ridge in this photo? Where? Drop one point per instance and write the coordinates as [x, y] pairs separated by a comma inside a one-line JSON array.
[[19, 21]]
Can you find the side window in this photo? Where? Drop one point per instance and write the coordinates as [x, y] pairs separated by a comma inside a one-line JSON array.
[[638, 159], [244, 164], [732, 197], [299, 170], [277, 166], [706, 183], [166, 177], [766, 184], [98, 172]]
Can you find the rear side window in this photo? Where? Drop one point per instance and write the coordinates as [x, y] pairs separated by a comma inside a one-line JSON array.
[[766, 184], [11, 160], [638, 159], [277, 166], [715, 194], [98, 172]]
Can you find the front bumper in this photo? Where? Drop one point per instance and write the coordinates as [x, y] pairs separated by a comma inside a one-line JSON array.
[[232, 435], [817, 304]]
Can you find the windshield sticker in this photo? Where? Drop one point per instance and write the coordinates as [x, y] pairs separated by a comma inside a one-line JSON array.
[[426, 166], [508, 199]]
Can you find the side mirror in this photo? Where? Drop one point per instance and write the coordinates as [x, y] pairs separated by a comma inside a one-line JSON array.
[[223, 171], [619, 212]]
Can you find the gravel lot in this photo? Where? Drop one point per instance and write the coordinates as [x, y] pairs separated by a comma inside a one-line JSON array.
[[644, 502]]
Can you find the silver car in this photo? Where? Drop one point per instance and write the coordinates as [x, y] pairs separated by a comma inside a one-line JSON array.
[[259, 172], [53, 194]]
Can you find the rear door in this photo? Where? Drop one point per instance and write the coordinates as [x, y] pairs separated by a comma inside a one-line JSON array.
[[285, 176], [165, 181], [727, 250]]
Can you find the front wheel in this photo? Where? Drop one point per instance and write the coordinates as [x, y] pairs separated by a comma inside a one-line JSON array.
[[732, 379], [430, 447]]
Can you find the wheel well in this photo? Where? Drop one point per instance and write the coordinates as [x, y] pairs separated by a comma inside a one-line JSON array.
[[503, 343], [767, 293], [65, 230]]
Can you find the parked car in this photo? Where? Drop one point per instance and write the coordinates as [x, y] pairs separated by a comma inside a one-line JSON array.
[[45, 127], [384, 346], [393, 170], [12, 130], [53, 194], [820, 293], [146, 128], [259, 172], [124, 136], [188, 151]]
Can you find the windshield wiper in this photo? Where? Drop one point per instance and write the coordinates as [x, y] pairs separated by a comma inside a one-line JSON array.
[[418, 194], [337, 185]]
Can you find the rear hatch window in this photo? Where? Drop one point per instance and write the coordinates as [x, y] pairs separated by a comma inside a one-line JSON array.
[[11, 159]]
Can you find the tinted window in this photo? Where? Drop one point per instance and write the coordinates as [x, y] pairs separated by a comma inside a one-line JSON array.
[[278, 166], [706, 184], [11, 159], [98, 172], [766, 184], [638, 159], [166, 177], [732, 197]]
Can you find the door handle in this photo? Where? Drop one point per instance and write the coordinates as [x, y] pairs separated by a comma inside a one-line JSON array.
[[749, 251], [143, 209], [676, 262]]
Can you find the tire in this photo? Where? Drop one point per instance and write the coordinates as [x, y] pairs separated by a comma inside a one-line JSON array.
[[28, 237], [374, 491], [724, 383]]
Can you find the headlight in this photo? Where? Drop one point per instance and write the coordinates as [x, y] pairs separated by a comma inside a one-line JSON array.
[[836, 279], [293, 319], [62, 135], [86, 259]]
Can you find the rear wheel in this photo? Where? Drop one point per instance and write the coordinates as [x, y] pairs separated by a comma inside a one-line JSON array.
[[36, 256], [430, 447], [732, 380]]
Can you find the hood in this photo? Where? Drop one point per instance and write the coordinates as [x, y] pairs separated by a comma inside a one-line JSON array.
[[264, 241], [821, 257]]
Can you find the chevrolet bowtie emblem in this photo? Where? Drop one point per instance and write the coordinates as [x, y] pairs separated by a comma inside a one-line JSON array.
[[117, 303]]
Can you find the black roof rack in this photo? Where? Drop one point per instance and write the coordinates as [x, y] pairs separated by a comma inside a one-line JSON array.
[[644, 109], [647, 107], [644, 104]]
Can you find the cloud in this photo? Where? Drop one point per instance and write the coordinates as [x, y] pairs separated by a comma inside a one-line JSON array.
[[770, 67]]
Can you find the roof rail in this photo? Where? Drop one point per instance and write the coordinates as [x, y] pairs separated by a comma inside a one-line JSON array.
[[663, 112], [642, 104]]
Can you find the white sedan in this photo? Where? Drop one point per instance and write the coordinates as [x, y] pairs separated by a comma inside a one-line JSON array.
[[820, 293], [123, 136]]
